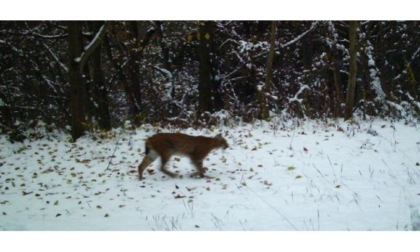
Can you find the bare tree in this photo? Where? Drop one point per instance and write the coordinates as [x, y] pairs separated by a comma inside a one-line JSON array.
[[353, 70], [266, 89], [77, 92], [100, 93], [78, 58], [204, 84]]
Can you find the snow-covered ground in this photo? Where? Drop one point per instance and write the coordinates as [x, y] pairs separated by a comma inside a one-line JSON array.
[[300, 175]]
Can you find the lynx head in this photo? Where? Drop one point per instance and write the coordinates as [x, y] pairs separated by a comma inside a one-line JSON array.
[[221, 142]]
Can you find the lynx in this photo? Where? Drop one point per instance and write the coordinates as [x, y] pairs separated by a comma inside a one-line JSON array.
[[164, 145]]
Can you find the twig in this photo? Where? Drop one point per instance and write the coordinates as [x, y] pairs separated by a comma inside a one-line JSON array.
[[318, 221], [113, 154], [291, 140], [332, 167]]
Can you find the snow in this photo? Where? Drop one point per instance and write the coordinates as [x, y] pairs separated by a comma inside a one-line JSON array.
[[296, 175], [245, 46]]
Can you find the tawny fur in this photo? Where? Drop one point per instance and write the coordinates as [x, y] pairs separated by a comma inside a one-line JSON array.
[[165, 145]]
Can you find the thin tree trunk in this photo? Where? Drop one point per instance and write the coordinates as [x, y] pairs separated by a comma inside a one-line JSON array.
[[266, 89], [133, 108], [204, 84], [134, 71], [100, 94], [353, 70], [337, 84]]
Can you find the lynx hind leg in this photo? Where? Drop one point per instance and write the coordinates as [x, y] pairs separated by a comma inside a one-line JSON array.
[[150, 156]]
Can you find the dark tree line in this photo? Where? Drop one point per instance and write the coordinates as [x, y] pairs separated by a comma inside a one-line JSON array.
[[85, 75]]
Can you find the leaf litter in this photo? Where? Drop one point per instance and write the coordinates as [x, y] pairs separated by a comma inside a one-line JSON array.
[[275, 179]]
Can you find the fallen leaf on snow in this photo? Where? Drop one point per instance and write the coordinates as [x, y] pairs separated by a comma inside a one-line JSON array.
[[83, 161]]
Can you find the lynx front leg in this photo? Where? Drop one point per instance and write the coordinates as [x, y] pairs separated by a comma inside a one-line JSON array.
[[200, 170]]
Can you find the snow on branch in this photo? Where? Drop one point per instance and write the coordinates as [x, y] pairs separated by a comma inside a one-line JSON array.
[[19, 51], [376, 82], [89, 49], [168, 85], [414, 55], [248, 45], [165, 72], [408, 64], [59, 36], [30, 31], [413, 101], [313, 26], [63, 66], [296, 97]]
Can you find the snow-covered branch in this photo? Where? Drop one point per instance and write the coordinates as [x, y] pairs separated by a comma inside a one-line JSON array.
[[165, 72], [19, 51], [415, 55], [291, 42], [59, 36], [296, 97], [313, 26], [63, 66], [89, 49], [31, 31], [408, 64], [376, 82]]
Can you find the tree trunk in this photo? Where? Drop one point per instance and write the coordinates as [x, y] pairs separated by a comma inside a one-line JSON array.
[[266, 89], [77, 94], [5, 114], [337, 84], [100, 93], [353, 70], [135, 78], [204, 84]]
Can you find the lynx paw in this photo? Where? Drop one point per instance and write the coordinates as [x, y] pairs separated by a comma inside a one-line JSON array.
[[198, 175]]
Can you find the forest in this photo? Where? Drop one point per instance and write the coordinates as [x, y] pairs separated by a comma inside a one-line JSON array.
[[320, 119], [81, 76]]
